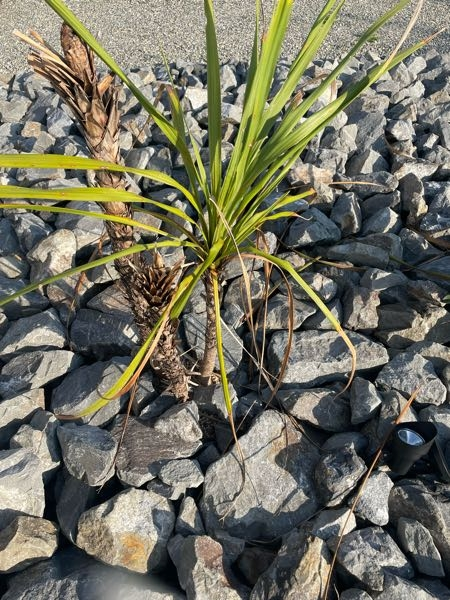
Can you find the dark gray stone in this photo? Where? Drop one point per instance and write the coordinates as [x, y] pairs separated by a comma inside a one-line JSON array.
[[130, 530], [416, 541], [35, 369], [396, 588], [88, 452], [181, 474], [322, 407], [360, 309], [336, 475], [189, 520], [42, 331], [74, 499], [320, 356], [253, 507], [23, 306], [84, 386], [359, 254], [312, 227], [346, 213]]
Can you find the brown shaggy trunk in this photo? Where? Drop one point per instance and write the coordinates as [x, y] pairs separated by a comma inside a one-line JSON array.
[[210, 351], [149, 288]]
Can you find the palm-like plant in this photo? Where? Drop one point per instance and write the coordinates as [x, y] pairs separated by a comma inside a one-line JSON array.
[[229, 206]]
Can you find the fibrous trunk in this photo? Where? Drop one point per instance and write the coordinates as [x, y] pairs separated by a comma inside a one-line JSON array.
[[94, 101]]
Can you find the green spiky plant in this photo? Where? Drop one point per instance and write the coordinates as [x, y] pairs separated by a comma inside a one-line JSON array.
[[229, 206]]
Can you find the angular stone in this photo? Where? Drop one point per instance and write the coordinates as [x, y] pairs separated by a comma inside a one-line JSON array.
[[182, 474], [130, 530], [333, 522], [145, 449], [336, 475], [396, 588], [364, 400], [269, 453], [360, 308], [278, 313], [17, 411], [23, 306], [407, 372], [366, 162], [101, 335], [354, 594], [368, 553], [189, 520], [373, 502], [320, 356], [312, 227], [21, 489], [42, 331], [321, 407], [40, 437], [324, 286], [437, 354], [300, 569], [201, 569], [88, 452], [26, 540], [35, 369], [364, 255], [416, 541], [52, 255], [71, 575], [30, 229], [84, 386], [112, 301], [383, 221], [13, 110], [440, 417], [346, 213]]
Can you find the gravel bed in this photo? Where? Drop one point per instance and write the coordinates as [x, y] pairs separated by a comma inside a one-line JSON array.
[[170, 515]]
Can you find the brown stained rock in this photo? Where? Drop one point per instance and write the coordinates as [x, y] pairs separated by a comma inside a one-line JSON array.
[[130, 530]]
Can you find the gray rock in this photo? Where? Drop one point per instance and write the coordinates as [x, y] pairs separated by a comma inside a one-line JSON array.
[[189, 520], [253, 507], [320, 356], [440, 417], [383, 221], [35, 369], [392, 405], [414, 500], [359, 254], [437, 354], [30, 229], [13, 109], [40, 437], [353, 439], [277, 316], [74, 499], [416, 541], [26, 540], [333, 522], [87, 230], [396, 588], [236, 292], [360, 309], [22, 489], [364, 400], [145, 449], [17, 411], [354, 594], [346, 213], [23, 306], [42, 331], [101, 335], [336, 475], [201, 569], [253, 561], [73, 575], [379, 280], [320, 321], [86, 385], [194, 327], [435, 587], [52, 255], [112, 301], [367, 554], [324, 286], [59, 123], [130, 530], [407, 372], [319, 406], [366, 162], [373, 502], [88, 452], [312, 227], [181, 474], [431, 324], [300, 569]]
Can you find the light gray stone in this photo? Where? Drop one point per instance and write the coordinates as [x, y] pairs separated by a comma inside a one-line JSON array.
[[346, 213], [181, 474], [86, 385], [407, 372], [360, 254], [312, 227], [52, 255], [42, 331], [253, 507], [336, 475], [189, 520], [130, 530], [397, 588], [320, 356], [34, 369], [30, 229], [21, 489], [333, 522], [364, 400], [22, 306], [88, 452], [360, 308], [373, 502]]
